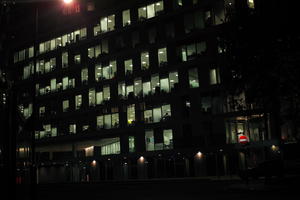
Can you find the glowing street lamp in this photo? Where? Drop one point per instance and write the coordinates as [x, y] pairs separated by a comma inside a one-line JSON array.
[[68, 1]]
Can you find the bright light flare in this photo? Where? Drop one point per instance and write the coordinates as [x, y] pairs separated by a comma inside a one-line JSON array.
[[68, 1]]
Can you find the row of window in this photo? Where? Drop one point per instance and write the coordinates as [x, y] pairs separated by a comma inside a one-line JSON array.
[[192, 21], [153, 142], [108, 70]]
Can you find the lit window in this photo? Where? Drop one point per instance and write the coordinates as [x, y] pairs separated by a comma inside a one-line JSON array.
[[92, 97], [137, 87], [173, 78], [53, 85], [99, 98], [251, 4], [107, 23], [84, 76], [149, 140], [131, 114], [77, 59], [106, 92], [214, 76], [126, 17], [100, 122], [78, 101], [65, 105], [155, 86], [64, 59], [168, 139], [128, 67], [150, 10], [146, 88], [162, 56], [193, 78], [72, 128], [131, 143], [145, 60]]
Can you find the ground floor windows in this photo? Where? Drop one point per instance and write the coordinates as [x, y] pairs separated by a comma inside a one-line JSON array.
[[111, 146], [253, 126]]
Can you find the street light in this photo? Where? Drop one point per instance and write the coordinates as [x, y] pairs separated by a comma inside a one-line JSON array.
[[68, 1]]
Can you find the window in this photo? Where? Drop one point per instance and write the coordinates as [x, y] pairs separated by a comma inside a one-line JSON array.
[[162, 56], [99, 98], [100, 122], [155, 87], [92, 97], [156, 114], [47, 66], [168, 139], [251, 4], [131, 144], [72, 83], [152, 34], [193, 78], [108, 121], [91, 52], [64, 59], [77, 59], [42, 111], [121, 89], [126, 17], [65, 83], [169, 30], [84, 76], [214, 76], [193, 21], [65, 105], [135, 37], [189, 52], [106, 92], [173, 77], [40, 68], [16, 57], [164, 85], [150, 10], [106, 72], [146, 88], [137, 87], [78, 101], [131, 114], [53, 85], [129, 90], [26, 72], [72, 128], [31, 52], [145, 60], [110, 146], [149, 140], [52, 64], [166, 112], [115, 120], [107, 23], [128, 67]]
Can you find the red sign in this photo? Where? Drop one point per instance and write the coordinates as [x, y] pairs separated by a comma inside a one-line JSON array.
[[243, 139]]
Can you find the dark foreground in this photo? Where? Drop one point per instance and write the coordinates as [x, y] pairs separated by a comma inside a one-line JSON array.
[[183, 189]]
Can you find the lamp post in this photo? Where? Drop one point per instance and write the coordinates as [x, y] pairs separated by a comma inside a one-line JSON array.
[[32, 121]]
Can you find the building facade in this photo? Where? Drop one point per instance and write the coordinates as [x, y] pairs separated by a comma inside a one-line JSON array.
[[132, 91]]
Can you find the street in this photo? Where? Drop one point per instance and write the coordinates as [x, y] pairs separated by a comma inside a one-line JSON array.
[[187, 189]]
